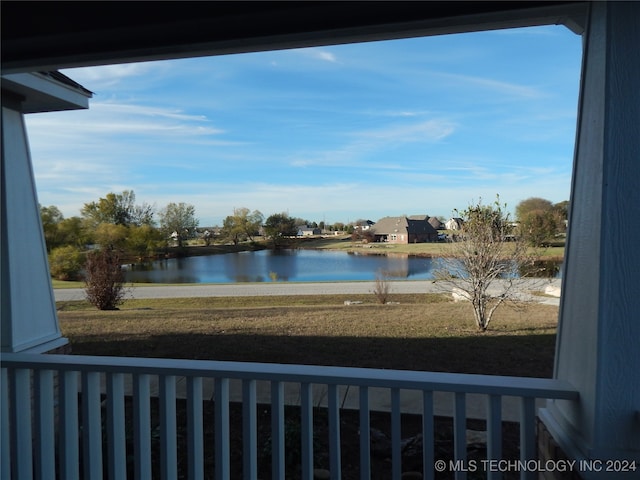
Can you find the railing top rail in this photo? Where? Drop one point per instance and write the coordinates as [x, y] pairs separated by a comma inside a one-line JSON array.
[[366, 377]]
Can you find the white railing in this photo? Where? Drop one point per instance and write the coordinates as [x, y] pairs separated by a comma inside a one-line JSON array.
[[46, 428]]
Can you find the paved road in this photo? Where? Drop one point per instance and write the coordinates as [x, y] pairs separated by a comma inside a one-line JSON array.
[[290, 288]]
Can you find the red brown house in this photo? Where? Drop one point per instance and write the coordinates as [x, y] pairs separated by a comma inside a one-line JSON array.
[[404, 230]]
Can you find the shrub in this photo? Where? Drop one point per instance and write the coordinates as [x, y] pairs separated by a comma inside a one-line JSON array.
[[104, 281], [65, 263], [365, 236], [382, 287]]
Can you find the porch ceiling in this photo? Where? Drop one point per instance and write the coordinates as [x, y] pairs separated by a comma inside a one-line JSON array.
[[40, 36]]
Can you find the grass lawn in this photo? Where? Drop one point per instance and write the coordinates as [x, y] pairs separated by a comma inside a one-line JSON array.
[[420, 332], [428, 249], [66, 284]]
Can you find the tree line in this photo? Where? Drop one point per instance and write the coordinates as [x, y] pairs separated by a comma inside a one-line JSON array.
[[116, 222], [139, 230]]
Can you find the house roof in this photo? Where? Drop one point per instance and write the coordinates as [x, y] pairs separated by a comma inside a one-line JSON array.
[[435, 222], [391, 225]]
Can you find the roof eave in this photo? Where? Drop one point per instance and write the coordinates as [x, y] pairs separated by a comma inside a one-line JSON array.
[[43, 92]]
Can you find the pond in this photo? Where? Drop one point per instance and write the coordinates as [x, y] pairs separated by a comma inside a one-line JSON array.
[[281, 265]]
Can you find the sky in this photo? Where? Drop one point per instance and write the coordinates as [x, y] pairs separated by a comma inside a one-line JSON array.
[[335, 134]]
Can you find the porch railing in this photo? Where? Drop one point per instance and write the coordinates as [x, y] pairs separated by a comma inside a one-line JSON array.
[[48, 427]]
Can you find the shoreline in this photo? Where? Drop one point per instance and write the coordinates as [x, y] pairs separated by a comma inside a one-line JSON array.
[[330, 244]]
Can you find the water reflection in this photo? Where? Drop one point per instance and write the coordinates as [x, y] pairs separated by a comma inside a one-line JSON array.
[[282, 264], [240, 267], [174, 270], [542, 269], [286, 265]]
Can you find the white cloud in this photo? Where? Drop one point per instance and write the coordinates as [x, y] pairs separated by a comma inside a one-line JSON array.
[[103, 77], [430, 130], [404, 114], [113, 118], [301, 163], [355, 152], [320, 54], [328, 56], [501, 87], [142, 110]]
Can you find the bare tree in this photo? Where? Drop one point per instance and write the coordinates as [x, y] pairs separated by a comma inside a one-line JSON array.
[[486, 266], [382, 287]]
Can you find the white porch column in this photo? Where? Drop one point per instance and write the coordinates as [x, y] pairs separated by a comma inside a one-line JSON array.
[[598, 346], [28, 317], [29, 320]]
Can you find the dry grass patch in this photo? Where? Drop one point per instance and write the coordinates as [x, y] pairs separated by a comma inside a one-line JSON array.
[[422, 332]]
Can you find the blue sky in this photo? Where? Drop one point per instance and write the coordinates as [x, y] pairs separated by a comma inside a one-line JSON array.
[[336, 133]]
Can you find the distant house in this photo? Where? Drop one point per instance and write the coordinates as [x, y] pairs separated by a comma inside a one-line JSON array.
[[208, 232], [404, 230], [305, 231], [454, 224], [363, 225]]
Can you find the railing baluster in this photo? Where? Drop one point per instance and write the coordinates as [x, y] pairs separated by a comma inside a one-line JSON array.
[[428, 444], [460, 433], [195, 441], [21, 433], [44, 433], [306, 430], [222, 428], [396, 435], [28, 386], [116, 441], [168, 430], [335, 466], [365, 435], [142, 427], [91, 425], [69, 444], [527, 435], [5, 459], [249, 431], [277, 430], [494, 434]]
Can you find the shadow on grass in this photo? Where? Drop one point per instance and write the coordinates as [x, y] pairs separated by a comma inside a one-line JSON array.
[[490, 353], [529, 355]]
